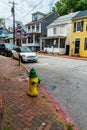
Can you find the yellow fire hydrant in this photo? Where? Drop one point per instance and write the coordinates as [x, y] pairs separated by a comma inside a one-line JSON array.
[[34, 81]]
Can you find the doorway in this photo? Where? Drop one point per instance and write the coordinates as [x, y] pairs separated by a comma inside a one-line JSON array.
[[77, 46]]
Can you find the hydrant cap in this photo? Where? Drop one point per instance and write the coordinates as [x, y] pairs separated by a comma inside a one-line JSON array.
[[32, 73]]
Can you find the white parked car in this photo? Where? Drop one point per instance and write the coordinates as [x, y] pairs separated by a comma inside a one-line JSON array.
[[25, 54]]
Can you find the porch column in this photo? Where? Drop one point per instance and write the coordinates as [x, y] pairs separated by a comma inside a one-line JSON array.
[[33, 38], [59, 44], [40, 44], [26, 40]]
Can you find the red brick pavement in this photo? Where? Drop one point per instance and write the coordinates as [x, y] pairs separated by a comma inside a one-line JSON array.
[[21, 112]]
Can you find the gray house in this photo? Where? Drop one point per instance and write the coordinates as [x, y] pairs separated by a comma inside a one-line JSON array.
[[38, 28]]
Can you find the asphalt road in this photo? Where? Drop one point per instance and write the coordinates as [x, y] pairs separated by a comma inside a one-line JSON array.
[[66, 80]]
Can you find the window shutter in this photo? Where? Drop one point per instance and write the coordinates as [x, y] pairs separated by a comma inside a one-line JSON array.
[[82, 23], [74, 26]]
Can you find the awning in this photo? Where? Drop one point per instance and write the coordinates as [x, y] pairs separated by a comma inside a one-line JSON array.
[[2, 36], [53, 37]]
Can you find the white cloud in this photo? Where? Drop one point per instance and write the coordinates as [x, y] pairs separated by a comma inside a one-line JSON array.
[[24, 9]]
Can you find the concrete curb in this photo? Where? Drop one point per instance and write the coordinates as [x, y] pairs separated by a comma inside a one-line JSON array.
[[65, 116], [64, 56], [0, 106]]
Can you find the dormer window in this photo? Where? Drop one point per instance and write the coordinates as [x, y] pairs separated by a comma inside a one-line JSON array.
[[37, 15], [34, 17]]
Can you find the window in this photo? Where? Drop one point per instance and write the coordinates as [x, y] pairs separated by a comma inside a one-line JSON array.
[[32, 27], [85, 44], [62, 43], [54, 30], [17, 49], [86, 27], [29, 28], [37, 27], [34, 17], [78, 26]]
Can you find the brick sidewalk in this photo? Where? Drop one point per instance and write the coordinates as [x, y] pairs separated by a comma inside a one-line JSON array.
[[21, 112]]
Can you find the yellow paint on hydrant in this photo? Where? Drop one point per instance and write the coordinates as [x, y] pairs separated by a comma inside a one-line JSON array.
[[34, 81]]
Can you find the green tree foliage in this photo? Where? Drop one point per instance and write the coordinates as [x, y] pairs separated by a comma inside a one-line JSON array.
[[1, 22], [64, 6]]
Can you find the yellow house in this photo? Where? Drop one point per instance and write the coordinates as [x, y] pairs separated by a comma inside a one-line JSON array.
[[78, 45]]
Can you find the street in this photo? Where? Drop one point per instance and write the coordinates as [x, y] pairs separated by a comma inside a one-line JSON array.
[[65, 80]]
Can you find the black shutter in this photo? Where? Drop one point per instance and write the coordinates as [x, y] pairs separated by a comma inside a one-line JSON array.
[[82, 23], [74, 26]]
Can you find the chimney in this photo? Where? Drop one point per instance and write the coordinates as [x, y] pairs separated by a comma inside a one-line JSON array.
[[71, 10]]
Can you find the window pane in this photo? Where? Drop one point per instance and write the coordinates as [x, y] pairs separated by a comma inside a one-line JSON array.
[[79, 26], [62, 43], [54, 30], [37, 27]]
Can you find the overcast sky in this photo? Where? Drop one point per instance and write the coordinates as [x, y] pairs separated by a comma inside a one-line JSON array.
[[24, 9]]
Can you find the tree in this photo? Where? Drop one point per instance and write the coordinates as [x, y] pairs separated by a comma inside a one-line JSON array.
[[1, 22], [64, 6]]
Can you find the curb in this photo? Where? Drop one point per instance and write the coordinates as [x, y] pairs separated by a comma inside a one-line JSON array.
[[0, 106], [65, 116], [64, 56]]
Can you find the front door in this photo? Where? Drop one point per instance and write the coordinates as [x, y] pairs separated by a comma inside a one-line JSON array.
[[77, 46]]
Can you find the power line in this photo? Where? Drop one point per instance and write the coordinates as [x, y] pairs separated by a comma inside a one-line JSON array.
[[32, 9], [45, 6], [8, 17], [37, 8]]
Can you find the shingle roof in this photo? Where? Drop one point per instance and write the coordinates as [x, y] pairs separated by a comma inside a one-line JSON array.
[[39, 20], [81, 14], [63, 19]]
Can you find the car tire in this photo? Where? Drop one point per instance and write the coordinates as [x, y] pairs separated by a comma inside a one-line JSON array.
[[21, 60], [12, 56]]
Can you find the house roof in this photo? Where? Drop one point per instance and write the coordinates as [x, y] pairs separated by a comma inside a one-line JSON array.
[[63, 19], [81, 14], [39, 20], [24, 27], [7, 36], [2, 35], [39, 13]]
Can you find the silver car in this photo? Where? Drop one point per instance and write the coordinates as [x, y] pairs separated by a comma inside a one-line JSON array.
[[25, 54]]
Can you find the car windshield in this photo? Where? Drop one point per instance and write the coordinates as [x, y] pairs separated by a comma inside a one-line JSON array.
[[25, 49], [10, 46]]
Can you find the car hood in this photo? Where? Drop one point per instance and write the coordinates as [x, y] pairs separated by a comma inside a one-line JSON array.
[[28, 54]]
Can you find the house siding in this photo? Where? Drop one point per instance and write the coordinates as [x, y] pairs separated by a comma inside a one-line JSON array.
[[81, 35], [46, 22]]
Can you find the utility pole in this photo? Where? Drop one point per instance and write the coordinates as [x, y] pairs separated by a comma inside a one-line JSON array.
[[13, 12]]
